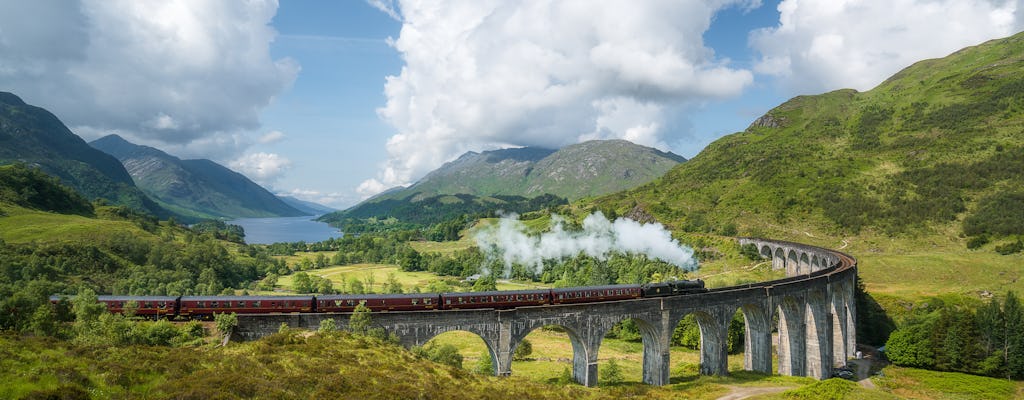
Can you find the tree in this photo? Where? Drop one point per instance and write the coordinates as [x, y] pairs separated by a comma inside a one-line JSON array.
[[612, 374], [43, 321], [484, 284], [1014, 339], [392, 285], [87, 308], [302, 283], [485, 365], [327, 326], [355, 286], [225, 323], [524, 350], [360, 321], [910, 347], [990, 324]]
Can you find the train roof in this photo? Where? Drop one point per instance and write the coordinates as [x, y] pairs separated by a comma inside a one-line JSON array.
[[375, 296], [600, 287], [496, 292], [245, 298], [106, 297]]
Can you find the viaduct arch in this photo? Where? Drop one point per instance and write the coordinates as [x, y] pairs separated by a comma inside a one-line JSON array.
[[814, 305]]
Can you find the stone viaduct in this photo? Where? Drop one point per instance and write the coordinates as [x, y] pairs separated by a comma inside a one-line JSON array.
[[812, 309]]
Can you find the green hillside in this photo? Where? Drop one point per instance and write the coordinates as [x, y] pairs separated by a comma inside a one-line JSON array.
[[512, 180], [938, 145], [197, 188], [36, 137], [581, 170]]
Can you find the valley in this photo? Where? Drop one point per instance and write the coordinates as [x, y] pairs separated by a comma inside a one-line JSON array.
[[920, 179]]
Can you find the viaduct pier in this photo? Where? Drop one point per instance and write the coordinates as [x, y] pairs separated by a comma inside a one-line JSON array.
[[812, 309]]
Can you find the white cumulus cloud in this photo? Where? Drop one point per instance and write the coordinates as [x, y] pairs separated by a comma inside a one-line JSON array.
[[271, 137], [487, 74], [827, 45], [264, 168], [170, 71]]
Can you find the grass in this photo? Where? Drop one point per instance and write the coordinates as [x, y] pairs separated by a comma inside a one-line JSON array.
[[380, 273], [282, 367], [914, 383], [22, 226]]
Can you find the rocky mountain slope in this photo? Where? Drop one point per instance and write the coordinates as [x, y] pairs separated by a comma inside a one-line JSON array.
[[34, 136], [198, 188]]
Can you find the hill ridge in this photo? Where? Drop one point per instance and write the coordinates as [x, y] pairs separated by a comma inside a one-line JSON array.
[[199, 188]]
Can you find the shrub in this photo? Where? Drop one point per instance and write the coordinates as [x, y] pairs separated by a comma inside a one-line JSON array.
[[612, 374], [1010, 248], [524, 350]]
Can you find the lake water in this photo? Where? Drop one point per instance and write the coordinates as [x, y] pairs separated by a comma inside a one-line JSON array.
[[288, 229]]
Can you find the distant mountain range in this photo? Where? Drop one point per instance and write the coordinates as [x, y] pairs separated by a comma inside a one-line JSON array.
[[37, 138], [307, 207], [581, 170], [520, 180], [936, 148], [197, 188]]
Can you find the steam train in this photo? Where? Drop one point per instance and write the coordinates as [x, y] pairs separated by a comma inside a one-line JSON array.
[[204, 307]]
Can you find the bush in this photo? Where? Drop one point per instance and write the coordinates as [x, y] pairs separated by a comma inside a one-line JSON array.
[[327, 326], [444, 354], [524, 350], [1010, 248], [976, 242], [611, 374], [485, 366], [226, 323]]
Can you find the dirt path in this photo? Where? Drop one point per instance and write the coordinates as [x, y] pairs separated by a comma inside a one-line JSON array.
[[864, 373], [845, 243], [742, 392]]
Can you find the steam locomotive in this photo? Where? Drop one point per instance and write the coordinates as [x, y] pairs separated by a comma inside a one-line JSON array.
[[204, 307]]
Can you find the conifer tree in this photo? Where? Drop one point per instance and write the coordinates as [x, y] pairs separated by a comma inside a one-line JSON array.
[[1014, 336]]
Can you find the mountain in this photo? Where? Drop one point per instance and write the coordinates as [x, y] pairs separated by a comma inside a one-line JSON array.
[[307, 207], [581, 170], [937, 147], [36, 137], [519, 180], [197, 188]]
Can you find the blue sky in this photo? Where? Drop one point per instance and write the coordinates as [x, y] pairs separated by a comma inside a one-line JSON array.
[[332, 101]]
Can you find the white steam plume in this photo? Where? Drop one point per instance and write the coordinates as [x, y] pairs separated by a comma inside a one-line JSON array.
[[509, 242]]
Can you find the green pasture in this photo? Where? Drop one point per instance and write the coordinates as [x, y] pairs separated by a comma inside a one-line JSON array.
[[912, 383], [21, 226], [379, 273]]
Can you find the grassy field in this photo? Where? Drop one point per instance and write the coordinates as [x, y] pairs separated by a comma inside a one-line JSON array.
[[913, 383], [379, 273], [23, 225]]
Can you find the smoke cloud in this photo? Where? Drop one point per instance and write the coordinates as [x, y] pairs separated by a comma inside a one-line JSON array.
[[510, 242]]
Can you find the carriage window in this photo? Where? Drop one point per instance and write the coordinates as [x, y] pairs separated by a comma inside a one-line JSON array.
[[447, 301], [214, 304], [426, 301], [414, 302]]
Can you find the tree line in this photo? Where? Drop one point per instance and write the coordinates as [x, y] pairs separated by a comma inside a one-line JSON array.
[[986, 340]]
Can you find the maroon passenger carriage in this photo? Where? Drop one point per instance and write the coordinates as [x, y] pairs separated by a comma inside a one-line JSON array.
[[496, 299], [196, 307], [378, 302], [589, 294], [154, 307]]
